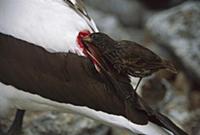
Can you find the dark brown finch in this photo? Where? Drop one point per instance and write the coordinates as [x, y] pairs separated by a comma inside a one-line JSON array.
[[125, 57]]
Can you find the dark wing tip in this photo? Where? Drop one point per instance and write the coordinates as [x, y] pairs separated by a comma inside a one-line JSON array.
[[170, 66]]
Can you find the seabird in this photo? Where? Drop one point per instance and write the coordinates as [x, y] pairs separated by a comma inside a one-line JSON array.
[[43, 67]]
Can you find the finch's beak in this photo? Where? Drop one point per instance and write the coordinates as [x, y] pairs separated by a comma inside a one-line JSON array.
[[91, 50], [87, 39]]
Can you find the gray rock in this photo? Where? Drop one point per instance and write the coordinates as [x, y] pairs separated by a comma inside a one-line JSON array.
[[160, 4], [192, 124], [126, 10], [178, 30], [64, 124], [110, 24], [52, 123]]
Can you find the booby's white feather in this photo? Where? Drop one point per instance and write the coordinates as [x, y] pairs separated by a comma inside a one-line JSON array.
[[51, 24], [73, 1], [24, 100]]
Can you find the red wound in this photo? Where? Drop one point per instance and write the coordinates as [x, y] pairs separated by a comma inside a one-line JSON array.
[[80, 36]]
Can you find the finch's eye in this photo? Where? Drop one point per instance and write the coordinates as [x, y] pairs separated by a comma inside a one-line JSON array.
[[94, 37]]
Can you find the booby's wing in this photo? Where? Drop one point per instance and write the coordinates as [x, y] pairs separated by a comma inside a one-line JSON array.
[[136, 109], [60, 77], [35, 79], [154, 116], [79, 7]]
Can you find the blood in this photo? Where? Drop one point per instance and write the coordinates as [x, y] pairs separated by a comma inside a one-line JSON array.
[[80, 36]]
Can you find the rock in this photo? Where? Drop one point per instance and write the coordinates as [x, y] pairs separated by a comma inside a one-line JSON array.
[[194, 99], [158, 4], [126, 10], [196, 129], [177, 30], [64, 124], [110, 25], [192, 123], [156, 91], [163, 96], [52, 123]]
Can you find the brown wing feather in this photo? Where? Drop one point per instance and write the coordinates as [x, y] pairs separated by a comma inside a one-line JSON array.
[[52, 75], [134, 59], [136, 53], [62, 77]]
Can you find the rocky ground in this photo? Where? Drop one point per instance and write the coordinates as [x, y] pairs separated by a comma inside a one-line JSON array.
[[170, 29]]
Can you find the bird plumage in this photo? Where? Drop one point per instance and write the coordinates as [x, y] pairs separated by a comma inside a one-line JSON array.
[[70, 83], [126, 57], [137, 60], [52, 24], [41, 65]]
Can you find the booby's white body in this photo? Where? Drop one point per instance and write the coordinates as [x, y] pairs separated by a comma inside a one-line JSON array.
[[51, 24]]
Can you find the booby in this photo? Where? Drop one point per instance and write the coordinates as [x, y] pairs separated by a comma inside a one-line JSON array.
[[43, 67]]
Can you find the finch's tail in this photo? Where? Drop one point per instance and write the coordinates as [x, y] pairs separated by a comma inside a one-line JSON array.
[[169, 66]]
